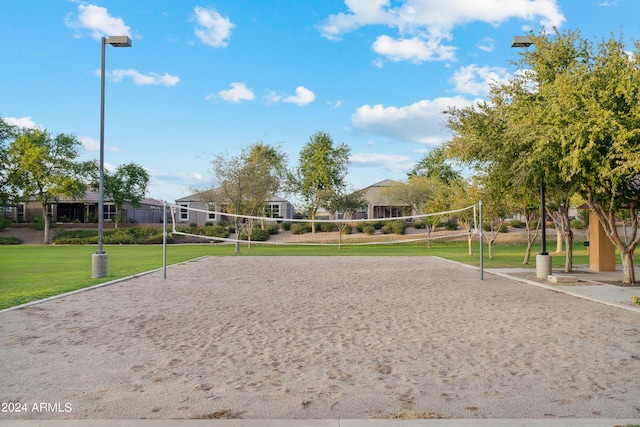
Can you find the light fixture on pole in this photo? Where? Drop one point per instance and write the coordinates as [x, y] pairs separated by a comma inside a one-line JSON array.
[[99, 259], [543, 260]]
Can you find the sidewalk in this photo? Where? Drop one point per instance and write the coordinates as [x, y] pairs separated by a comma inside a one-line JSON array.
[[591, 284]]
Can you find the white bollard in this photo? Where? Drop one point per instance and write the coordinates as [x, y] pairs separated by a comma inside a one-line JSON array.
[[543, 266], [99, 265]]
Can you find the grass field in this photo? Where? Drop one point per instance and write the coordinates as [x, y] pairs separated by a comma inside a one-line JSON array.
[[32, 272]]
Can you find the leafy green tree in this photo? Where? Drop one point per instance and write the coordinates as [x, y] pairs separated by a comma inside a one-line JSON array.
[[127, 184], [424, 194], [463, 195], [7, 191], [47, 169], [345, 205], [594, 105], [244, 182], [321, 172], [435, 164], [513, 140]]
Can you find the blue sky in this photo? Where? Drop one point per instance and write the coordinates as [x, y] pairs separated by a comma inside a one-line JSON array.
[[207, 77]]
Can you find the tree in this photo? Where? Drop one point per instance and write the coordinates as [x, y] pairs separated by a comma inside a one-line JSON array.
[[321, 172], [435, 164], [345, 205], [7, 191], [47, 169], [244, 182], [127, 184], [595, 106], [424, 194], [462, 196], [513, 139]]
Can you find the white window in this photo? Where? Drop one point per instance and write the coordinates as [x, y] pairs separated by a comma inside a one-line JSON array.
[[272, 210], [184, 213], [212, 214], [109, 211]]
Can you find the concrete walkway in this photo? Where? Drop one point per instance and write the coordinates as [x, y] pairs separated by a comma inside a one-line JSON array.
[[591, 285]]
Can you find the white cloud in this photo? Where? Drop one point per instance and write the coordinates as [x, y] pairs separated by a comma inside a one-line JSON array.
[[474, 80], [22, 122], [302, 97], [421, 122], [213, 29], [238, 92], [144, 79], [92, 144], [413, 49], [423, 26], [391, 162], [98, 21], [179, 176], [487, 44]]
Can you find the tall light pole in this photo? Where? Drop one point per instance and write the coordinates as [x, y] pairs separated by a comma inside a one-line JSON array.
[[99, 259], [543, 260]]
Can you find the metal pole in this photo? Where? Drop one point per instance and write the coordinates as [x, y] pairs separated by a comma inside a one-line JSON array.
[[99, 259], [164, 239], [481, 245], [101, 186], [543, 218]]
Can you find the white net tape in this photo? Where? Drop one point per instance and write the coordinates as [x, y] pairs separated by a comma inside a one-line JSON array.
[[185, 230]]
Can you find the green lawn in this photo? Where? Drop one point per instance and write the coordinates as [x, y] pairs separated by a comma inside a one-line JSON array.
[[32, 272]]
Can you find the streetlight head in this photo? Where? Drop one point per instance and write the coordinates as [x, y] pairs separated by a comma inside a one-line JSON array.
[[522, 41], [119, 41]]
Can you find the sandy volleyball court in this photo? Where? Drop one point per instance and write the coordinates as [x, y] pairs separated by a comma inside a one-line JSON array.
[[321, 337]]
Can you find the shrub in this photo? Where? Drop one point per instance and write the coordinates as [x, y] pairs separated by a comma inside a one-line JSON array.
[[326, 226], [10, 240], [420, 225], [75, 237], [38, 223], [272, 228], [501, 229], [515, 223], [208, 223], [396, 227], [346, 228], [577, 224], [368, 229], [298, 228], [4, 223], [378, 224], [286, 226], [214, 231], [636, 299], [257, 235], [64, 219], [119, 237], [451, 224]]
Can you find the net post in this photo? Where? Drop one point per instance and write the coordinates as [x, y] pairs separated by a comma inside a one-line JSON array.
[[481, 245], [164, 239]]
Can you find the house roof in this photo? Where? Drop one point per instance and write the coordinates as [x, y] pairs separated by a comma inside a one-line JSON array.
[[383, 183], [198, 198]]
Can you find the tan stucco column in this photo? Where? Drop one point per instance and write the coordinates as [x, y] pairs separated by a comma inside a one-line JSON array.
[[602, 253]]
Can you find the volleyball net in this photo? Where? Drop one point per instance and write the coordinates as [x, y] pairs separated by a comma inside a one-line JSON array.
[[201, 225]]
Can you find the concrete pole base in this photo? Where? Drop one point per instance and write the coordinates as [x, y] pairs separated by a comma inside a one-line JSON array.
[[543, 266], [99, 265]]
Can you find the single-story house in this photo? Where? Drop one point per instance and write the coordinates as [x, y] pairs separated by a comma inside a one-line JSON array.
[[85, 210], [274, 207]]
